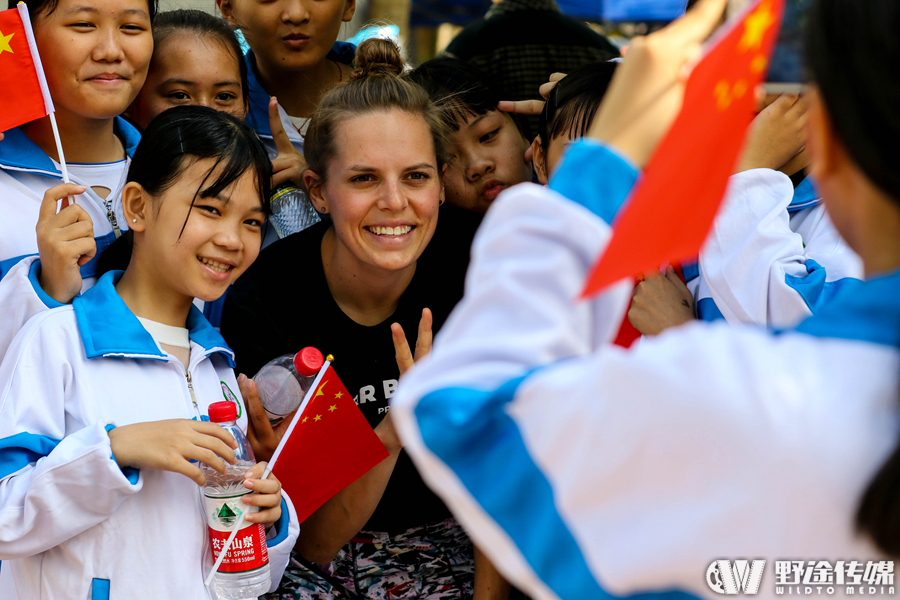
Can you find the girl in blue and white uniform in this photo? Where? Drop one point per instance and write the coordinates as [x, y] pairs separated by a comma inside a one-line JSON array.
[[95, 54], [104, 402], [587, 471]]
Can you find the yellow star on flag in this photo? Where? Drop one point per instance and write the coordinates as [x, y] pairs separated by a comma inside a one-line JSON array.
[[755, 27], [319, 391], [4, 43], [339, 395], [304, 419], [332, 408], [317, 418]]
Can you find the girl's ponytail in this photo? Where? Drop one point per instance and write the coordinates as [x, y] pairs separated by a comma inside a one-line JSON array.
[[117, 256]]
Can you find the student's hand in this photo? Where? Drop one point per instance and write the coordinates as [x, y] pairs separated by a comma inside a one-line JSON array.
[[289, 164], [660, 302], [267, 495], [531, 107], [423, 343], [65, 242], [263, 438], [170, 445], [647, 90], [777, 134]]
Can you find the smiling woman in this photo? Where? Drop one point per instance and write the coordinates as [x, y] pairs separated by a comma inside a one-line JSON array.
[[376, 152]]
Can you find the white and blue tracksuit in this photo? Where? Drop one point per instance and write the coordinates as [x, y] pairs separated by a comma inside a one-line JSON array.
[[73, 524], [773, 256], [26, 172], [585, 470]]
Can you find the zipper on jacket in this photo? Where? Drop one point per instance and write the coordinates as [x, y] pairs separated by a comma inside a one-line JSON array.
[[111, 216], [190, 382]]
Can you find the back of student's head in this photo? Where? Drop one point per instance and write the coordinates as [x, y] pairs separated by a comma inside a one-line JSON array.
[[200, 24], [858, 84], [376, 84], [572, 105], [176, 139], [459, 89], [42, 8]]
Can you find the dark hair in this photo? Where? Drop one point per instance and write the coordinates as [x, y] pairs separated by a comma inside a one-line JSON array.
[[176, 138], [858, 85], [42, 8], [457, 88], [574, 101], [201, 24], [375, 84]]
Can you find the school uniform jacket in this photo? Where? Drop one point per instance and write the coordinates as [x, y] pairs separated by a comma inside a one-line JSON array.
[[26, 172], [773, 256], [73, 524], [585, 470]]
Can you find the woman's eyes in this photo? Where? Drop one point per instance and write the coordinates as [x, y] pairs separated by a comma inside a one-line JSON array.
[[226, 97], [206, 208], [362, 178], [418, 175], [179, 96], [489, 136], [254, 222]]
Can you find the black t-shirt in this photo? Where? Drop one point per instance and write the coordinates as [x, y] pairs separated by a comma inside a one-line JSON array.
[[282, 304]]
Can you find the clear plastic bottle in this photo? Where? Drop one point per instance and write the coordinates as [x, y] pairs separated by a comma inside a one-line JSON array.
[[291, 210], [283, 382], [244, 573]]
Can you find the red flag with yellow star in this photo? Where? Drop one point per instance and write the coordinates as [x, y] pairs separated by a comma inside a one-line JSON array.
[[672, 210], [24, 89], [328, 446]]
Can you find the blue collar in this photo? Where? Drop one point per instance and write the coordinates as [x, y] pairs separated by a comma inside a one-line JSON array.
[[258, 114], [19, 153], [805, 196], [868, 311], [109, 328]]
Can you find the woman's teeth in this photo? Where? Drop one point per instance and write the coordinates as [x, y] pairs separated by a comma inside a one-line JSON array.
[[400, 230], [215, 266]]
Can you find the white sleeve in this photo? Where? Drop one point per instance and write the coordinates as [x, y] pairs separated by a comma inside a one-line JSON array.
[[20, 299], [50, 482], [757, 267], [286, 530]]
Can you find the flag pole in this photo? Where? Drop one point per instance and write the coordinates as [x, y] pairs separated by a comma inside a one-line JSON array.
[[271, 465], [59, 150]]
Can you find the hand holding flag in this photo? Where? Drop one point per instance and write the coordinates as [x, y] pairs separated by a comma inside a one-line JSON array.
[[672, 209]]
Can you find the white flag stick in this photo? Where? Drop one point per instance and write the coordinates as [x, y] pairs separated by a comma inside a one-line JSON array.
[[237, 526], [59, 150]]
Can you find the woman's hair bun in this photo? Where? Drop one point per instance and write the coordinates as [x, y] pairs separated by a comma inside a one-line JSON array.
[[377, 57]]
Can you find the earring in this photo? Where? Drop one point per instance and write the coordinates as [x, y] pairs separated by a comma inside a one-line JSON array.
[[441, 201], [134, 220], [324, 209]]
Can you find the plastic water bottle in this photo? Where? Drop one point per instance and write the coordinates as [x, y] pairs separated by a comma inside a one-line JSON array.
[[244, 573], [283, 382], [291, 210]]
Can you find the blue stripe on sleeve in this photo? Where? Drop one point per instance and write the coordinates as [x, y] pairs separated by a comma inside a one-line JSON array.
[[596, 177], [281, 526], [708, 311], [33, 277], [472, 434], [813, 288], [100, 589], [20, 450]]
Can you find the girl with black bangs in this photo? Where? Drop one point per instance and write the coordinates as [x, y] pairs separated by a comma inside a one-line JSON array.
[[112, 391]]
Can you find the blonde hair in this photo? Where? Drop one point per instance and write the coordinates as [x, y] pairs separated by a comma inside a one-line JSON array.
[[377, 83]]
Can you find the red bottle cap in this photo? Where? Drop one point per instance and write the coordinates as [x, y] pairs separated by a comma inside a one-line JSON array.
[[222, 412], [308, 361]]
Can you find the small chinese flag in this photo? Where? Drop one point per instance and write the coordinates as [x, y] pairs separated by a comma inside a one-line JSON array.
[[328, 447], [24, 88], [672, 210]]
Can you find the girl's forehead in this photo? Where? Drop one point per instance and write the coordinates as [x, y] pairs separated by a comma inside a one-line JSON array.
[[139, 8]]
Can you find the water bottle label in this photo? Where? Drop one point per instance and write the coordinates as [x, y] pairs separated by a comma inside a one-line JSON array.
[[248, 551]]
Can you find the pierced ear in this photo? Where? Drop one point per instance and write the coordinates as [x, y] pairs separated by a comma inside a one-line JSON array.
[[314, 186], [537, 159], [135, 206]]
